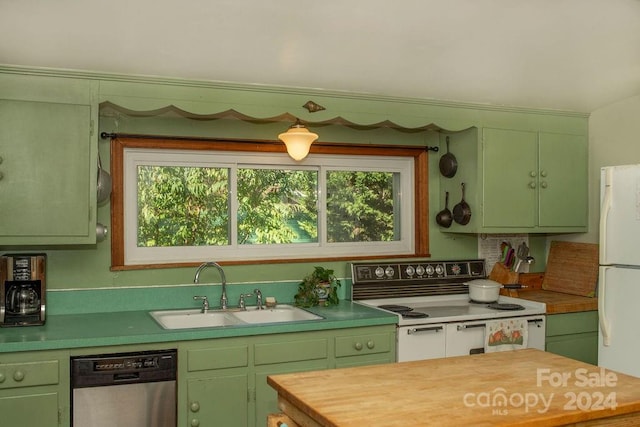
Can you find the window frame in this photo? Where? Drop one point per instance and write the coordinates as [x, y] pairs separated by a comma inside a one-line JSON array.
[[120, 143]]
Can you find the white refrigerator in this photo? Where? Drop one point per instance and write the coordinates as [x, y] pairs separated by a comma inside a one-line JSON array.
[[619, 275]]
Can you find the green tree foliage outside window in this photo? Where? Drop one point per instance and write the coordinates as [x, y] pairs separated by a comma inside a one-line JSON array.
[[360, 206], [190, 206], [277, 206], [183, 206]]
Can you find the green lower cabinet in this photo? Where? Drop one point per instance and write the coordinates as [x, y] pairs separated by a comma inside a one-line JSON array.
[[34, 390], [574, 335], [219, 400], [266, 398], [216, 374], [365, 349], [34, 409], [223, 382], [282, 355]]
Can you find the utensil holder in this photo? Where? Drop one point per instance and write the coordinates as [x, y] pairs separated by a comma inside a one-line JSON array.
[[502, 274]]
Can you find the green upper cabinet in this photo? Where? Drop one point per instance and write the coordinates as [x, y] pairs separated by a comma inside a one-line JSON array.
[[522, 181], [510, 170], [48, 162], [563, 183]]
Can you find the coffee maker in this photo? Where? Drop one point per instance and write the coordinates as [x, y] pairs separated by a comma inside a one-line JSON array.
[[22, 289]]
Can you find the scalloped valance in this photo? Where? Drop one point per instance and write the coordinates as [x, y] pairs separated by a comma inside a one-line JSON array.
[[109, 108]]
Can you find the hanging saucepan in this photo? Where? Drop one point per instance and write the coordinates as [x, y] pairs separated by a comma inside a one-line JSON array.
[[462, 211], [104, 183], [448, 163], [444, 217]]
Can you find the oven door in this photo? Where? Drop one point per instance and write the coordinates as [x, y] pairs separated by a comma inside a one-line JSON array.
[[420, 342], [464, 338]]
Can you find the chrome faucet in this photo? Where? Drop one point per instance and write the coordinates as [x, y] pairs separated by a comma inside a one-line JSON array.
[[259, 305], [205, 302], [224, 302], [242, 304]]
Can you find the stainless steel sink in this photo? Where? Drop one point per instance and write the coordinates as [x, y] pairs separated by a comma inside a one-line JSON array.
[[194, 318], [281, 313]]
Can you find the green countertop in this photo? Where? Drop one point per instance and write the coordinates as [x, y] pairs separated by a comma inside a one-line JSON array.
[[67, 331]]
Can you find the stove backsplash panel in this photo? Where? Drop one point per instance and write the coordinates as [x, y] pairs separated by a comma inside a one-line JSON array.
[[372, 280]]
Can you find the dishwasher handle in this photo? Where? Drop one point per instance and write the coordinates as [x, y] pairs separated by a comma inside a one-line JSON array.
[[126, 378]]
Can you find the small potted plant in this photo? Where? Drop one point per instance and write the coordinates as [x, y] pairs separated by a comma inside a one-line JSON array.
[[320, 287]]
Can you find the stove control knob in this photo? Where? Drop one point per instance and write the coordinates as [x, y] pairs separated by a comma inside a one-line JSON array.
[[379, 272], [439, 269], [456, 269], [430, 270], [420, 270], [410, 270], [389, 271]]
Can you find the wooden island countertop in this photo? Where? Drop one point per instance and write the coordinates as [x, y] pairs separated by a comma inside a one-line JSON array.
[[516, 388]]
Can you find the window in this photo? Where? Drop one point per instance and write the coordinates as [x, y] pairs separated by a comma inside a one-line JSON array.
[[184, 202]]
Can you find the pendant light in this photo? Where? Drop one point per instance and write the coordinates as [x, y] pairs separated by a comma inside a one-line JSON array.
[[298, 140]]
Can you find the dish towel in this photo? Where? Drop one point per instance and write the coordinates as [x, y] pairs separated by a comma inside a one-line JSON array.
[[506, 334]]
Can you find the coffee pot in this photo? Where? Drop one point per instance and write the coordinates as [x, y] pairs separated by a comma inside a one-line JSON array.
[[23, 299], [23, 291]]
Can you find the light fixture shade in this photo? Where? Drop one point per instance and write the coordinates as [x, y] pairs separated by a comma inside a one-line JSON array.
[[298, 140]]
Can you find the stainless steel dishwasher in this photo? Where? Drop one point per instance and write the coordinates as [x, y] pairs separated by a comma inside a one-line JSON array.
[[124, 390]]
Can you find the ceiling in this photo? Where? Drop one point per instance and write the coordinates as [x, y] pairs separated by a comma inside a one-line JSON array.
[[576, 55]]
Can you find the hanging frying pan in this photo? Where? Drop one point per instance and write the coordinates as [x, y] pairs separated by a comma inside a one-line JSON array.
[[104, 183], [444, 218], [448, 163], [462, 211]]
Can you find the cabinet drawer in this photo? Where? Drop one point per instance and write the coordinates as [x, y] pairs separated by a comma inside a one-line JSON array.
[[362, 344], [217, 358], [14, 375], [572, 323], [291, 351]]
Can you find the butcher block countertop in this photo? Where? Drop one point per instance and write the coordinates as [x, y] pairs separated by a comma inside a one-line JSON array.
[[558, 302], [515, 388]]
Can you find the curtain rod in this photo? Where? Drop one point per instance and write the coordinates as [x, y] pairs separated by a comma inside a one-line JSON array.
[[113, 135]]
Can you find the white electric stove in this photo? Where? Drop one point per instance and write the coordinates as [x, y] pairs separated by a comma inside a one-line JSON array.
[[436, 317]]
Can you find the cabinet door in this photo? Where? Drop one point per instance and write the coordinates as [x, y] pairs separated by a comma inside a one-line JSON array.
[[218, 401], [266, 396], [563, 181], [510, 167], [30, 410], [583, 347], [45, 165]]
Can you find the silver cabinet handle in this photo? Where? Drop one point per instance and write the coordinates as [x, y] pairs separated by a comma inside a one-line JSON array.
[[429, 329], [536, 321], [475, 325]]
